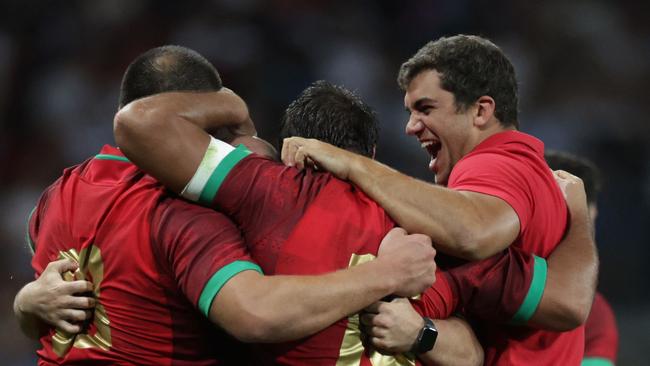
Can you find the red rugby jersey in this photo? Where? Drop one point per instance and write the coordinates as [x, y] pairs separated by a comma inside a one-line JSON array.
[[510, 165], [156, 263], [310, 223]]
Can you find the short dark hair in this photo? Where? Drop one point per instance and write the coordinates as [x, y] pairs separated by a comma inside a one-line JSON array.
[[165, 69], [469, 67], [580, 167], [332, 114]]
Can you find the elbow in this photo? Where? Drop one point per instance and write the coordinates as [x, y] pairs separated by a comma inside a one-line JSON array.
[[257, 327], [472, 247], [124, 125], [135, 120], [476, 358], [573, 316]]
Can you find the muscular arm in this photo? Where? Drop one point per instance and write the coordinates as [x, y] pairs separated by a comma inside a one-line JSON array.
[[471, 226], [394, 326], [572, 267], [257, 308], [166, 134]]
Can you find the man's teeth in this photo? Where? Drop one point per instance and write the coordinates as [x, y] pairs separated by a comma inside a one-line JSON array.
[[426, 144]]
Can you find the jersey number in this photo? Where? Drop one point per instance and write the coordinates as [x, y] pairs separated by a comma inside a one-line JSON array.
[[352, 349], [91, 268]]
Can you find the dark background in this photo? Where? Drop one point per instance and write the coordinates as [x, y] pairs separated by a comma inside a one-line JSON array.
[[583, 67]]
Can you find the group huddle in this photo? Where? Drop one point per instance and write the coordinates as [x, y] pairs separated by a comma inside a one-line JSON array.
[[195, 243]]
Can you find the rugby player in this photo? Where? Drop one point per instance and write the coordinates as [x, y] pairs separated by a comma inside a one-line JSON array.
[[304, 213], [461, 96], [158, 266], [601, 332]]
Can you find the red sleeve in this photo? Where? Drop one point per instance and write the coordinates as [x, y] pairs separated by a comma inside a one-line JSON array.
[[438, 301], [601, 333], [496, 175], [201, 248], [496, 288]]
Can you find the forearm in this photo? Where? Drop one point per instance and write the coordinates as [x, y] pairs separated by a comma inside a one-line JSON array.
[[283, 308], [455, 221], [210, 111], [30, 325], [571, 280], [456, 345], [166, 135]]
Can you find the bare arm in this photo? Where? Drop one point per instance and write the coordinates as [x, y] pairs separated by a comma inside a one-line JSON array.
[[393, 327], [572, 267], [155, 134], [257, 308], [471, 225], [52, 301]]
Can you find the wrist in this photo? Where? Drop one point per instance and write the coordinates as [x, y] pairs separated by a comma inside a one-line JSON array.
[[22, 307], [384, 272], [426, 337]]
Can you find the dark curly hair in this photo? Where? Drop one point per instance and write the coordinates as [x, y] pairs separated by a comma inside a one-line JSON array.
[[332, 114], [469, 67]]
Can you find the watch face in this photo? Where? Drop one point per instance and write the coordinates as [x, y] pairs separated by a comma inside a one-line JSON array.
[[428, 336]]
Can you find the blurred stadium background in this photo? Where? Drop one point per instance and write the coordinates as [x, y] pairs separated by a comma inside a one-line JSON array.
[[583, 65]]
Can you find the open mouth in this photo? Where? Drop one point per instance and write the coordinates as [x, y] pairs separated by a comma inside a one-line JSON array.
[[432, 147]]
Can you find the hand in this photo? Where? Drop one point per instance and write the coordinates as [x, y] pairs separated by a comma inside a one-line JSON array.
[[301, 152], [410, 261], [391, 327], [53, 300], [239, 122], [574, 192]]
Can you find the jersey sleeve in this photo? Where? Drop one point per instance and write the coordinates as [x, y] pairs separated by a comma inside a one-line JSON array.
[[497, 175], [601, 334], [506, 287], [201, 249], [259, 194], [438, 301]]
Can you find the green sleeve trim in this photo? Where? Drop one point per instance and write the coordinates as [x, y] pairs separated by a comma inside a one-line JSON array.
[[535, 292], [596, 361], [111, 157], [220, 173], [219, 279], [28, 238]]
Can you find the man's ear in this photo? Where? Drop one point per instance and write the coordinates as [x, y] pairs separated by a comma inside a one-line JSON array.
[[484, 111]]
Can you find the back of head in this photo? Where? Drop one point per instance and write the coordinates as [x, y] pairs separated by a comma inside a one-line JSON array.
[[332, 114], [580, 167], [165, 69], [470, 67]]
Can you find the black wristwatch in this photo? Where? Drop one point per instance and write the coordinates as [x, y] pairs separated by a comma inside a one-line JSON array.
[[426, 338]]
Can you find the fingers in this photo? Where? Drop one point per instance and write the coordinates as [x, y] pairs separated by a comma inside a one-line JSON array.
[[375, 308], [61, 266], [68, 327], [422, 239], [77, 287], [79, 302], [397, 231], [75, 315], [290, 145], [300, 158]]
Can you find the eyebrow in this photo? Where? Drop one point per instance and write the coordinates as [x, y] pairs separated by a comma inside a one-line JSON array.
[[418, 103]]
